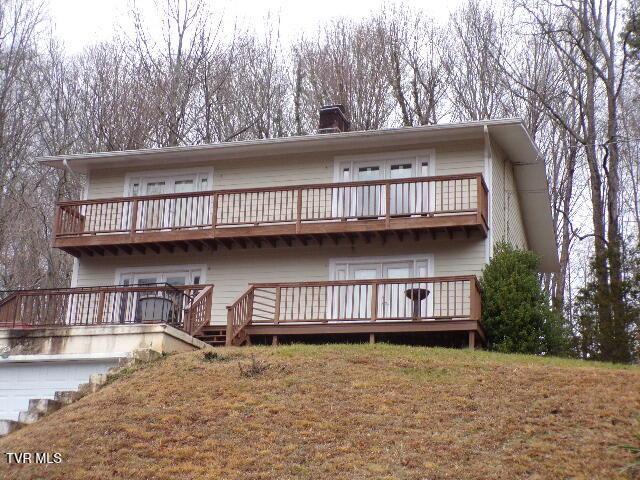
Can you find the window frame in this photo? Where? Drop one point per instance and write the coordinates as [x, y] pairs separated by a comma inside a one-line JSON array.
[[342, 264], [199, 174], [385, 159], [162, 270]]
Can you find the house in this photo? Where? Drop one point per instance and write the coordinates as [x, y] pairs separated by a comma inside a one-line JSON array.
[[367, 234]]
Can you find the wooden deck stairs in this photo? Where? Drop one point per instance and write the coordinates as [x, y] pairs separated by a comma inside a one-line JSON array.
[[214, 335]]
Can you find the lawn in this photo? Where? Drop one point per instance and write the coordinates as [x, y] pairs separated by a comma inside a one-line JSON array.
[[345, 412]]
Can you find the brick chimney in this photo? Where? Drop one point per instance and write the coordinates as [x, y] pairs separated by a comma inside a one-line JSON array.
[[333, 119]]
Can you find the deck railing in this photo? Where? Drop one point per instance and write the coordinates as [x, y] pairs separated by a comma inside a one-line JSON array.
[[185, 307], [409, 299], [331, 202]]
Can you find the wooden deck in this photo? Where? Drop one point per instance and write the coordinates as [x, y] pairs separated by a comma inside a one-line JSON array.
[[260, 217], [185, 307], [385, 306], [412, 305]]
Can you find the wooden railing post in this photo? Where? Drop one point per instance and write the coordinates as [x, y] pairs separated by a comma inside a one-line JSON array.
[[482, 201], [250, 298], [374, 301], [17, 310], [229, 335], [134, 217], [187, 323], [100, 308], [475, 303], [276, 313], [387, 204], [57, 221], [214, 213], [299, 211]]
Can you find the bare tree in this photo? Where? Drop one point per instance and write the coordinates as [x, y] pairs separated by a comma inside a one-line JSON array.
[[476, 47], [19, 24], [583, 35], [56, 101], [262, 87], [116, 111], [413, 50], [342, 66], [169, 68]]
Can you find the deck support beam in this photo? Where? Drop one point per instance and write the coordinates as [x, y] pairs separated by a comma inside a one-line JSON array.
[[472, 340]]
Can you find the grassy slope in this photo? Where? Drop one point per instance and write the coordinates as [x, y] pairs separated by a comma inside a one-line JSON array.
[[346, 412]]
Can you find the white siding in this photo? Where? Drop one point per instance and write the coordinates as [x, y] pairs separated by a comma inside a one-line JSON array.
[[232, 271], [460, 157], [507, 217], [451, 159], [266, 172]]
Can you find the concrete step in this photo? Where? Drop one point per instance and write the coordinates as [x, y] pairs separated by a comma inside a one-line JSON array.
[[8, 426], [67, 397], [44, 405], [30, 417], [87, 388], [98, 378]]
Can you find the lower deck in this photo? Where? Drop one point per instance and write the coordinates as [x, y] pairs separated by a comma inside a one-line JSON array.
[[298, 310]]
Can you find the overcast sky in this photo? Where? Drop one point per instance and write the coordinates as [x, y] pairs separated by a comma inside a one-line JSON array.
[[79, 23]]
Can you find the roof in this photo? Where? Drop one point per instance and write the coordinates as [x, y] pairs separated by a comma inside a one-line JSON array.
[[510, 134]]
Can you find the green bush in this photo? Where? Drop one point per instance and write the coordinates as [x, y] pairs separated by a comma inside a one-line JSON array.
[[516, 313]]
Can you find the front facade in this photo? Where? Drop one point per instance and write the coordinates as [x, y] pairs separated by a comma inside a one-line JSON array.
[[360, 233]]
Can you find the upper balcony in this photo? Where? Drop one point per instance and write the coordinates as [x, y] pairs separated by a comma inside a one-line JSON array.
[[266, 216]]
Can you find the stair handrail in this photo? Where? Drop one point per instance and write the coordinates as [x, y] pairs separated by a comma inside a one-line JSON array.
[[198, 312], [239, 316]]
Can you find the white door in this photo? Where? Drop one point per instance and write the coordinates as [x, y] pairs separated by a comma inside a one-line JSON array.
[[395, 303], [359, 300], [405, 198], [400, 301], [367, 200], [402, 195], [181, 212], [152, 213], [186, 211], [168, 304]]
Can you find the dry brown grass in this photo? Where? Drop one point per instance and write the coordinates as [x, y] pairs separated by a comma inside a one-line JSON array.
[[345, 412]]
